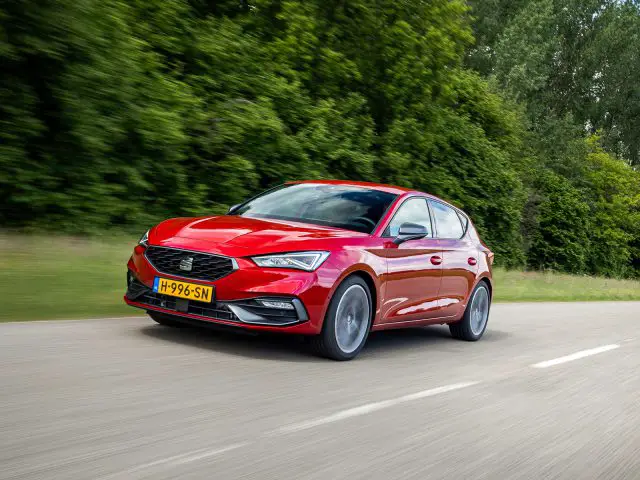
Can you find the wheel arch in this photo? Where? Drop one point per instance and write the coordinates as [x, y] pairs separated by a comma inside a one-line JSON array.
[[369, 278], [486, 279]]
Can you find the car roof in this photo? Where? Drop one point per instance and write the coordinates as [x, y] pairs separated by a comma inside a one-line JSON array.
[[383, 187], [371, 185]]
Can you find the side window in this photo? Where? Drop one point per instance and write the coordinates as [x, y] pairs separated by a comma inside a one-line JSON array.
[[447, 221], [414, 210]]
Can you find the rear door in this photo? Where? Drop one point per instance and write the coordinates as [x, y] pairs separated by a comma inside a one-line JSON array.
[[459, 257], [413, 267]]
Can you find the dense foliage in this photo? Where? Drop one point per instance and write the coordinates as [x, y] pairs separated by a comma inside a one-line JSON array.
[[524, 113]]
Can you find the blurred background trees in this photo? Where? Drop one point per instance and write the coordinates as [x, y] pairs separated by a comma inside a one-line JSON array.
[[115, 114]]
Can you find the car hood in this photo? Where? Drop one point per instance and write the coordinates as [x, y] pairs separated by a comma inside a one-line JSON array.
[[228, 232]]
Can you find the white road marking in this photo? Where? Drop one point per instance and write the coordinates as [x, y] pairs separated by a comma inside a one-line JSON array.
[[372, 407], [207, 454], [342, 415], [576, 356], [176, 460]]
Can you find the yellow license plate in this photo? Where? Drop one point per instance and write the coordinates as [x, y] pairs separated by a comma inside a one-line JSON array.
[[191, 291]]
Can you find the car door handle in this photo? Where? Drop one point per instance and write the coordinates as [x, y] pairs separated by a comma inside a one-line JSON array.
[[436, 260]]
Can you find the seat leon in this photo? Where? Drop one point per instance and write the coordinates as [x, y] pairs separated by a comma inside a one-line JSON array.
[[331, 260]]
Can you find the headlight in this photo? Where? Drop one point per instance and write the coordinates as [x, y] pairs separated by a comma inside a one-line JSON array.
[[144, 239], [308, 261]]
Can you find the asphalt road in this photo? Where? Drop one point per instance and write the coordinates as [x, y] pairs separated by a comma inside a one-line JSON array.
[[551, 392]]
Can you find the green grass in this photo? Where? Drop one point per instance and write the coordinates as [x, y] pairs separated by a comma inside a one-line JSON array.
[[62, 277], [66, 277], [516, 286]]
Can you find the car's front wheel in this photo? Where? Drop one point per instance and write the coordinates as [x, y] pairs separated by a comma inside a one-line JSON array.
[[348, 321], [474, 321]]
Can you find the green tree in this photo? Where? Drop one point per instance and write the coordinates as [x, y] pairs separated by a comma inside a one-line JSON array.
[[614, 191], [118, 113], [561, 237]]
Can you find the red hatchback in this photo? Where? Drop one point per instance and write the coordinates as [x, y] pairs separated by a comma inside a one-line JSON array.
[[329, 259]]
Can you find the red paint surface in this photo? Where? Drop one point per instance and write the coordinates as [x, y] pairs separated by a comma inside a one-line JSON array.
[[411, 288]]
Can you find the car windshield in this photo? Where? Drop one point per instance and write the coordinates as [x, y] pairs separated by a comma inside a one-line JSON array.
[[343, 206]]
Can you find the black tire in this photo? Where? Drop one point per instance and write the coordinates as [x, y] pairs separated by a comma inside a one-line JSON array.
[[462, 329], [166, 320], [326, 344]]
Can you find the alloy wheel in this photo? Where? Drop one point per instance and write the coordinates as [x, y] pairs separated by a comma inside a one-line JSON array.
[[352, 318], [479, 311]]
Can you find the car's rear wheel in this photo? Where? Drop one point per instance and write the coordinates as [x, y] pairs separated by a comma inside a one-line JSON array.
[[474, 321], [348, 321], [165, 320]]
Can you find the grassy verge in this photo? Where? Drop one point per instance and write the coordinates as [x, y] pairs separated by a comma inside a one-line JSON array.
[[62, 277], [514, 286]]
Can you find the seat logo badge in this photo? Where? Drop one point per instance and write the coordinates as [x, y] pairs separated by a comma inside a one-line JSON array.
[[186, 264]]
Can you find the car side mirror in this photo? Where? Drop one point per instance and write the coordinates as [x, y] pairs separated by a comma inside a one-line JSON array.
[[410, 231], [233, 208]]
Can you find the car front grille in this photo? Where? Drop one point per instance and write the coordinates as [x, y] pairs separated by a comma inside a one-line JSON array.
[[183, 263]]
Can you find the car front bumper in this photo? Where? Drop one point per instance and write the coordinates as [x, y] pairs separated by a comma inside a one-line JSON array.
[[238, 295]]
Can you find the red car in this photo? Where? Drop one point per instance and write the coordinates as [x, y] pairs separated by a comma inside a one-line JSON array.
[[332, 260]]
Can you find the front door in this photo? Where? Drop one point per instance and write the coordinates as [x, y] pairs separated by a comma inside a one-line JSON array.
[[414, 268]]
